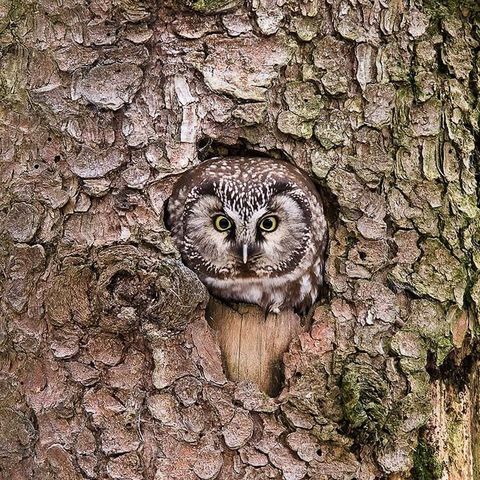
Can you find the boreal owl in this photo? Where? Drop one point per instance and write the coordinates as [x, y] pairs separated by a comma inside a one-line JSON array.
[[253, 229]]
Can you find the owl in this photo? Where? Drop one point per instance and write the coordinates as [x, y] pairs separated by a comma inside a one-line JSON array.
[[252, 229]]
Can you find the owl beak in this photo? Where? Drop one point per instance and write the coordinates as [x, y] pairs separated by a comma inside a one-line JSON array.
[[245, 253]]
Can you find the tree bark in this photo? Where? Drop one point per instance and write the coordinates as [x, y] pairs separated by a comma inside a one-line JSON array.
[[108, 367]]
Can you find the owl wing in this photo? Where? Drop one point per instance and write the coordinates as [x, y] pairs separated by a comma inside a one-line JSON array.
[[174, 214], [175, 206]]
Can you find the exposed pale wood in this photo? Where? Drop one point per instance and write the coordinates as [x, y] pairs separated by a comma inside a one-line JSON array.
[[453, 427], [475, 420], [453, 423], [253, 344]]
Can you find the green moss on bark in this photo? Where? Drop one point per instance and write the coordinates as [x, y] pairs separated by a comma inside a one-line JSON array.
[[364, 396], [212, 6], [425, 463], [446, 8]]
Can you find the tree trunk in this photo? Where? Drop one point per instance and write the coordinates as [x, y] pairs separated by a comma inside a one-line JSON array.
[[108, 367]]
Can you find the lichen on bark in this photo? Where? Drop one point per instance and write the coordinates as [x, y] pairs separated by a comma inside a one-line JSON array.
[[425, 464]]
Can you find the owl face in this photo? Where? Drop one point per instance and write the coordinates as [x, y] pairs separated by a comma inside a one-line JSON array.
[[248, 228], [229, 236]]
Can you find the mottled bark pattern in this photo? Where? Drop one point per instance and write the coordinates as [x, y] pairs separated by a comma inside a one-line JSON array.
[[108, 368]]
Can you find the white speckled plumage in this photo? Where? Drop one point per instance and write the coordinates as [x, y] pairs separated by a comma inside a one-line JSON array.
[[284, 267]]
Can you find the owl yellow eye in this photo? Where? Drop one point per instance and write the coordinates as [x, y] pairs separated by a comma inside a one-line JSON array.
[[268, 224], [222, 223]]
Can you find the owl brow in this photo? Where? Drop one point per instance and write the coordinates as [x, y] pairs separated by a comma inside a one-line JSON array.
[[219, 212], [299, 198], [267, 214]]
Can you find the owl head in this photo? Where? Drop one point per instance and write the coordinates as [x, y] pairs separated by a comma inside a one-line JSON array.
[[247, 226]]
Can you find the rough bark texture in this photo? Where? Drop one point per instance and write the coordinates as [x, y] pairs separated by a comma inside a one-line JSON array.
[[109, 369]]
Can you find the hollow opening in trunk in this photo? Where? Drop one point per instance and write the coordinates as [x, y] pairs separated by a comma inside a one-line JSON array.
[[253, 342]]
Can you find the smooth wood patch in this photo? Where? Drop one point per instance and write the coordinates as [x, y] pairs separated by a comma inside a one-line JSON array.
[[253, 345]]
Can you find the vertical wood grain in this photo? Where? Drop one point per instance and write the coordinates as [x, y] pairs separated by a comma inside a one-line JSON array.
[[253, 344]]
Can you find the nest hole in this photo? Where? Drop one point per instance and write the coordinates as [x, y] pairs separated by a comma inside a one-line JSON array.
[[209, 148]]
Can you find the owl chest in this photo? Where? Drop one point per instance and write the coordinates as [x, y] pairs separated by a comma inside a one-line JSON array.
[[267, 292]]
